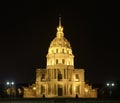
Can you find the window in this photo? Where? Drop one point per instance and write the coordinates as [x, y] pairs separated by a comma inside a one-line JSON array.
[[76, 76], [59, 76], [62, 50], [63, 61], [43, 76], [56, 61], [56, 50], [42, 89]]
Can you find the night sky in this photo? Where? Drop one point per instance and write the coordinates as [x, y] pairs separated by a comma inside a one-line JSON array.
[[28, 27]]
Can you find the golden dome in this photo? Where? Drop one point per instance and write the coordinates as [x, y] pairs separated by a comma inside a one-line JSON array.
[[60, 51], [60, 42]]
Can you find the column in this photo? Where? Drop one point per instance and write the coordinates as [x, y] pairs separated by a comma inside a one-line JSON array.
[[65, 73], [40, 88], [56, 73], [53, 74], [57, 89]]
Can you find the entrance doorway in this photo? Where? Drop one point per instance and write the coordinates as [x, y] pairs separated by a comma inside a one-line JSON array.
[[60, 90]]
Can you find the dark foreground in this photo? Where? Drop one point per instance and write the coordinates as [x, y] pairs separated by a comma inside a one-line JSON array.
[[59, 100]]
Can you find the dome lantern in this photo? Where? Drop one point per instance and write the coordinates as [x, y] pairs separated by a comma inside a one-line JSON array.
[[60, 29]]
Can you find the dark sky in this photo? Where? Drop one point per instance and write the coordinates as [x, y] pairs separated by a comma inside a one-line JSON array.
[[28, 27]]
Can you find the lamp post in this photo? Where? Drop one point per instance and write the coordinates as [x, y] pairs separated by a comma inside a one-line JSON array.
[[110, 85], [10, 86]]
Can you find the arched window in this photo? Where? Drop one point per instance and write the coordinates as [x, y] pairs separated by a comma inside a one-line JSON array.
[[56, 50], [59, 76], [43, 77], [63, 61], [42, 89], [62, 50], [56, 61], [77, 76]]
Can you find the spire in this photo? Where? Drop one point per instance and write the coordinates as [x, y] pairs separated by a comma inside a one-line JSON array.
[[60, 29], [59, 21]]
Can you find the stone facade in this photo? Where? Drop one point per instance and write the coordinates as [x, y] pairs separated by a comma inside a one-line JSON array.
[[60, 78]]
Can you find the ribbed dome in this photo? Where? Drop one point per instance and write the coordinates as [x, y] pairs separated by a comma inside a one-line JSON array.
[[60, 42], [60, 50]]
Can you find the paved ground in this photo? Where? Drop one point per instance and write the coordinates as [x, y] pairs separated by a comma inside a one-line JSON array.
[[59, 100]]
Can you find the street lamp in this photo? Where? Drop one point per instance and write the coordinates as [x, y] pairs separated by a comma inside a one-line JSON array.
[[110, 85], [10, 85]]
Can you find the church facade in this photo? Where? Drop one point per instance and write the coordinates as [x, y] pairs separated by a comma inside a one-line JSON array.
[[60, 78]]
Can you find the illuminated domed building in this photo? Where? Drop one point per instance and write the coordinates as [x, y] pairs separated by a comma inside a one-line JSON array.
[[60, 78]]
